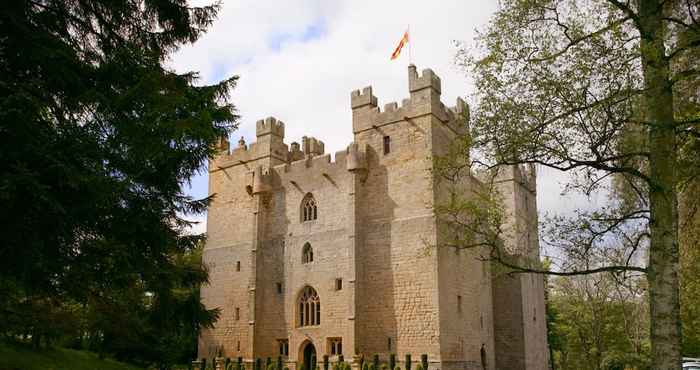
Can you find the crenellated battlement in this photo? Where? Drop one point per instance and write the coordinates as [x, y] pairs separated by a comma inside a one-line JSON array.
[[427, 79], [362, 99], [525, 175], [312, 146], [350, 159], [424, 100], [269, 126]]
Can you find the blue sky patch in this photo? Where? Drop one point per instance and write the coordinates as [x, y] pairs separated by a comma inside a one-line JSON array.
[[313, 31]]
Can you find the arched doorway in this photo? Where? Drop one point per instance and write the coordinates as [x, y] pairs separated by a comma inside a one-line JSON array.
[[309, 356]]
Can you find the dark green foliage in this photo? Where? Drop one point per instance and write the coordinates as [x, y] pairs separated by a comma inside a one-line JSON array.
[[203, 365], [97, 138], [375, 361], [372, 367], [271, 366], [341, 358], [325, 362], [419, 367], [408, 361], [279, 363], [258, 364], [424, 361], [268, 362], [392, 361], [384, 367], [313, 361]]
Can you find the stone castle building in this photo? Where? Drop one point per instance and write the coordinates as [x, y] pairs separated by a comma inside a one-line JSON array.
[[310, 255]]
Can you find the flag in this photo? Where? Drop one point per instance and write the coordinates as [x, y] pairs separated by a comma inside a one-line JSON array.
[[403, 42]]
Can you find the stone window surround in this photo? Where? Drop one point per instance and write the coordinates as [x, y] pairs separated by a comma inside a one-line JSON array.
[[307, 253], [309, 209], [309, 305]]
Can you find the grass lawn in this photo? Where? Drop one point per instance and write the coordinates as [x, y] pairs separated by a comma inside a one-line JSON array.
[[20, 357]]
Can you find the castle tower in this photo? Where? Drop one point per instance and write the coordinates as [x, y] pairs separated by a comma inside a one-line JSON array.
[[311, 255], [519, 307]]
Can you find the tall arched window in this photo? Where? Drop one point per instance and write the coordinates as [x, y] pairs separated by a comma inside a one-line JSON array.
[[308, 208], [309, 307], [307, 253]]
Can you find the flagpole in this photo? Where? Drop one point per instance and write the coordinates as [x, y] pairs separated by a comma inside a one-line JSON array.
[[410, 41]]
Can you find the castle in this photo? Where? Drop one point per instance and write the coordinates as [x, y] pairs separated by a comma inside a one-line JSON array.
[[310, 256]]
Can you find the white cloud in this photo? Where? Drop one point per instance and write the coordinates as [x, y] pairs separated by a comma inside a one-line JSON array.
[[299, 60]]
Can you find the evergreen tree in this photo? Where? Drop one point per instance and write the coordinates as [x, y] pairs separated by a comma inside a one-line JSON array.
[[97, 139]]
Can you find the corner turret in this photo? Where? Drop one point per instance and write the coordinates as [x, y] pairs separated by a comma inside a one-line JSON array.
[[427, 80], [312, 146], [269, 126], [363, 99]]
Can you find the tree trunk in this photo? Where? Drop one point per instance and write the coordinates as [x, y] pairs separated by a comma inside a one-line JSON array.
[[663, 250]]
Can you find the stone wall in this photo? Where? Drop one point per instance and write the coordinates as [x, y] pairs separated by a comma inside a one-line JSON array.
[[376, 231]]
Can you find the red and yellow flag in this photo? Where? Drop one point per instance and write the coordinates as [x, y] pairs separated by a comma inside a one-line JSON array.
[[403, 41]]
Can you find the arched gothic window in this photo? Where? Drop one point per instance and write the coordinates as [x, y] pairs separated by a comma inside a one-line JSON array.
[[308, 208], [309, 307], [307, 254]]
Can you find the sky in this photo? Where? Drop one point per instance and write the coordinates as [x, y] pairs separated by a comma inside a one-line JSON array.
[[298, 61]]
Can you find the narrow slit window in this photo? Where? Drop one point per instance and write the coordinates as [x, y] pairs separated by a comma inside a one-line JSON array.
[[238, 313], [338, 284], [459, 303], [238, 265], [335, 346], [283, 345], [387, 145], [307, 253], [279, 288]]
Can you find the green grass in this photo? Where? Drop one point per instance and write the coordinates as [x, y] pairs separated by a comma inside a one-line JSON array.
[[21, 357]]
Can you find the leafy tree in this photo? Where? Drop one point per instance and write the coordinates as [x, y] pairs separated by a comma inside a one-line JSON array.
[[97, 139], [568, 84], [601, 323]]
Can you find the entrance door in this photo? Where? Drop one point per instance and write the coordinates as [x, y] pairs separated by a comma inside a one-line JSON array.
[[309, 357]]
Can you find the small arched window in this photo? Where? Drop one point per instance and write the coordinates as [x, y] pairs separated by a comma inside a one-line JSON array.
[[307, 254], [309, 211], [309, 307]]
